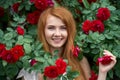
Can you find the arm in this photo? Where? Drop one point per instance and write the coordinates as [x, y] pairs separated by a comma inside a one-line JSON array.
[[86, 67], [103, 69]]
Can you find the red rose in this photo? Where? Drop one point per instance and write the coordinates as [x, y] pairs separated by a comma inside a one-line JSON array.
[[20, 30], [51, 72], [2, 49], [8, 57], [90, 1], [104, 60], [41, 4], [75, 51], [50, 3], [80, 1], [33, 17], [15, 7], [93, 76], [61, 65], [1, 11], [32, 1], [18, 50], [33, 62], [97, 25], [103, 14], [12, 55], [86, 27]]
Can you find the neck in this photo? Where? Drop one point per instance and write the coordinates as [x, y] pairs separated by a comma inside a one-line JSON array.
[[59, 50]]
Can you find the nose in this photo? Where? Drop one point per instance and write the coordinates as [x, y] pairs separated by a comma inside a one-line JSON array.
[[57, 32]]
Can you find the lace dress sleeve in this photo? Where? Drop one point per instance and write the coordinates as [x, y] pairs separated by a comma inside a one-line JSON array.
[[27, 76]]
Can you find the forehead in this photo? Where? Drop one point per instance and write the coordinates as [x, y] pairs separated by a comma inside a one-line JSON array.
[[54, 20]]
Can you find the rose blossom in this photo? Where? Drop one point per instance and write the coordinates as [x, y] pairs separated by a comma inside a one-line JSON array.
[[93, 76], [75, 51], [1, 11], [18, 50], [51, 71], [13, 55], [33, 17], [15, 7], [103, 14], [104, 60], [8, 57], [90, 1], [32, 1], [20, 30], [61, 65], [86, 26], [97, 25], [33, 62], [50, 3], [2, 49], [41, 4]]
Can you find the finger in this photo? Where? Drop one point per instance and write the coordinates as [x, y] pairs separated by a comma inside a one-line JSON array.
[[114, 59], [106, 52]]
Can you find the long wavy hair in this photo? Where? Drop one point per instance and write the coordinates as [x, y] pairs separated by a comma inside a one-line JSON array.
[[67, 18]]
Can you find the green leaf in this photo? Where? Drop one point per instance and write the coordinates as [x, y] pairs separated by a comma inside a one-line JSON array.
[[109, 36], [39, 46], [11, 70], [8, 36], [4, 63], [27, 7], [111, 8], [64, 78], [73, 74], [40, 59], [27, 48], [20, 40], [82, 37], [86, 11], [10, 29], [101, 37], [50, 61], [13, 24], [1, 33], [27, 40], [46, 55], [25, 58], [21, 20], [86, 4], [110, 73], [94, 6]]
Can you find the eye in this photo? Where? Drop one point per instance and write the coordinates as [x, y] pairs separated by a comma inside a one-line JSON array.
[[51, 27], [63, 27]]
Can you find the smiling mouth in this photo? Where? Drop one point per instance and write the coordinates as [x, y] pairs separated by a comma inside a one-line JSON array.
[[57, 40]]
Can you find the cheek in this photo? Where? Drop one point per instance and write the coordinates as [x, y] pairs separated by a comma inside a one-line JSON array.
[[65, 34], [48, 34]]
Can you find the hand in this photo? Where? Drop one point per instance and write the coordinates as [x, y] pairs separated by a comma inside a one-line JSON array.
[[106, 68]]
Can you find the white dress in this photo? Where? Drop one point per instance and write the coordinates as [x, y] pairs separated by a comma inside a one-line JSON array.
[[27, 76]]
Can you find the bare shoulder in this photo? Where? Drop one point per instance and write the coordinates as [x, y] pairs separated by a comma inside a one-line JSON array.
[[86, 67]]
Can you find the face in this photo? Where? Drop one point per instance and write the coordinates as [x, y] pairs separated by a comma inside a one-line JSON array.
[[55, 32]]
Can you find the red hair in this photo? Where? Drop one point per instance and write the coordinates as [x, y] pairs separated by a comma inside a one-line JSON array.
[[67, 18]]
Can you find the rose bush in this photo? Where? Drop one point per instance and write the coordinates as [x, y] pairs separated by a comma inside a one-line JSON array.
[[98, 28]]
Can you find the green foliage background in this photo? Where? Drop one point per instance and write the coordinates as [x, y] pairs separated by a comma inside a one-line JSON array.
[[92, 44]]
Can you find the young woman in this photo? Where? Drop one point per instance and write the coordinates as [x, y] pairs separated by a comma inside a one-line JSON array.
[[56, 30]]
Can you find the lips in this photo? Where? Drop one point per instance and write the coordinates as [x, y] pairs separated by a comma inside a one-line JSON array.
[[57, 40]]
